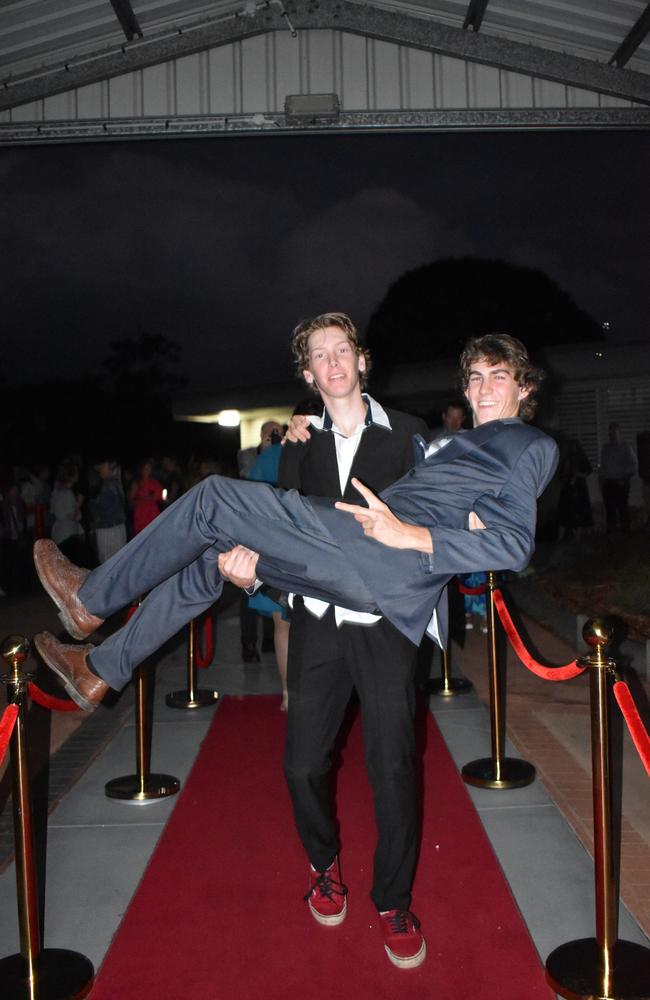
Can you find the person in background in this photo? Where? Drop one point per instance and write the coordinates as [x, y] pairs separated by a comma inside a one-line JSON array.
[[145, 497], [453, 420], [617, 466], [574, 507], [260, 464], [13, 535], [66, 511], [107, 508], [170, 478], [265, 470], [475, 604]]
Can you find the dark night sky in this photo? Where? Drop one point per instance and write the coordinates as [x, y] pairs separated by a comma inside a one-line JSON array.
[[225, 244]]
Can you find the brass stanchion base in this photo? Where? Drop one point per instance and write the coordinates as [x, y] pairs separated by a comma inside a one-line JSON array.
[[448, 688], [182, 699], [59, 975], [131, 788], [513, 773], [574, 971]]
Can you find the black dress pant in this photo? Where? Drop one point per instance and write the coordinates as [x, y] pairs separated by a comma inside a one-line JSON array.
[[325, 664]]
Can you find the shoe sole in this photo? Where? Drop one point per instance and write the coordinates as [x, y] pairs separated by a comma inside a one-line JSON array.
[[63, 616], [408, 963], [329, 921], [87, 706]]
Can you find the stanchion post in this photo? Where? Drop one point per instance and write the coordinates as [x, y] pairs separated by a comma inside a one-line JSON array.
[[602, 966], [143, 786], [447, 686], [497, 771], [191, 697], [45, 974]]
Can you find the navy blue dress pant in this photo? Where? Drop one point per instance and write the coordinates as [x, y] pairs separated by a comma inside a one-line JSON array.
[[174, 561]]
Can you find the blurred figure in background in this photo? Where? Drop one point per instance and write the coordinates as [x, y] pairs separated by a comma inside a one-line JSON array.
[[574, 507], [66, 511], [107, 508], [265, 470], [170, 478], [13, 535], [617, 466], [453, 420], [145, 497]]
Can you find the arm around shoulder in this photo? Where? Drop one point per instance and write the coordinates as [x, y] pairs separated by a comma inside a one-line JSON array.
[[289, 475]]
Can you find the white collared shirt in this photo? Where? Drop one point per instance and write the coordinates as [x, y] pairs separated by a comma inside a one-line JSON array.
[[346, 449]]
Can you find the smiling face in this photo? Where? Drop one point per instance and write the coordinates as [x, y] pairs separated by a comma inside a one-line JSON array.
[[492, 392], [334, 366]]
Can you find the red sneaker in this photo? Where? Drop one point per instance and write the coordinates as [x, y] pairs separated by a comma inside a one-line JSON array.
[[326, 895], [403, 940]]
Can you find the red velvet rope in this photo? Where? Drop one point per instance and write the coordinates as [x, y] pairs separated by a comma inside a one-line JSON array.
[[7, 723], [470, 590], [49, 701], [205, 659], [564, 673], [638, 732]]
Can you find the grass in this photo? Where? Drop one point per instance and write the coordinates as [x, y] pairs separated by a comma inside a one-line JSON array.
[[602, 574]]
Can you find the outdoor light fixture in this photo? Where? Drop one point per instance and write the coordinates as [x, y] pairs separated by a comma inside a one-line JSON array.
[[229, 418], [312, 107]]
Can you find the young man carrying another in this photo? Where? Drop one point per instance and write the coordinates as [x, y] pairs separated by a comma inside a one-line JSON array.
[[392, 557], [333, 650]]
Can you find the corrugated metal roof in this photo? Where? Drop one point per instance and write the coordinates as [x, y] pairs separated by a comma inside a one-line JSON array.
[[34, 33]]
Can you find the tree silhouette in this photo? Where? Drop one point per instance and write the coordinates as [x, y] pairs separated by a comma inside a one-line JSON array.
[[144, 365], [430, 312], [142, 376]]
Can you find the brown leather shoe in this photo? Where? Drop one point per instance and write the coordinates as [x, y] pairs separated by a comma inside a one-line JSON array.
[[69, 664], [62, 580]]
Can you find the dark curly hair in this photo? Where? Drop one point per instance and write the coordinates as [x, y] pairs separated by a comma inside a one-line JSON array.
[[498, 348]]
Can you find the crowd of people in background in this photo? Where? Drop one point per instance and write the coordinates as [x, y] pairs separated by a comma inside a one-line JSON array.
[[92, 509], [89, 509]]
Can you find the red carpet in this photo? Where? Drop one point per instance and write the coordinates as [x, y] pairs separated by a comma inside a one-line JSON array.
[[219, 913]]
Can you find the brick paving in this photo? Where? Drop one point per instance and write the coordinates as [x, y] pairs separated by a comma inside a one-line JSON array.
[[549, 723]]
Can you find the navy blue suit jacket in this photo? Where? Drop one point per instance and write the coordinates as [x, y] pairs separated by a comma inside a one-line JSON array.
[[497, 470]]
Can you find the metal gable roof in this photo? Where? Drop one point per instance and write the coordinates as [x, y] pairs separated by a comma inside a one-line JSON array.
[[37, 33]]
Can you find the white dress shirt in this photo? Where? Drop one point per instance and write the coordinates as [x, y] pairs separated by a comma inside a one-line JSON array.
[[346, 449]]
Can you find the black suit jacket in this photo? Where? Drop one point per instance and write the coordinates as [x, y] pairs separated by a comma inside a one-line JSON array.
[[383, 457], [497, 470]]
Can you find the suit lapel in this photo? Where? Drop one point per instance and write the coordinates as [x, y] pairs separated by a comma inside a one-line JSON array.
[[462, 444], [365, 457], [329, 467]]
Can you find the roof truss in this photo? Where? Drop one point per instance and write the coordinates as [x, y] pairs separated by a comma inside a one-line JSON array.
[[343, 15], [215, 126], [126, 16], [632, 40], [475, 14]]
